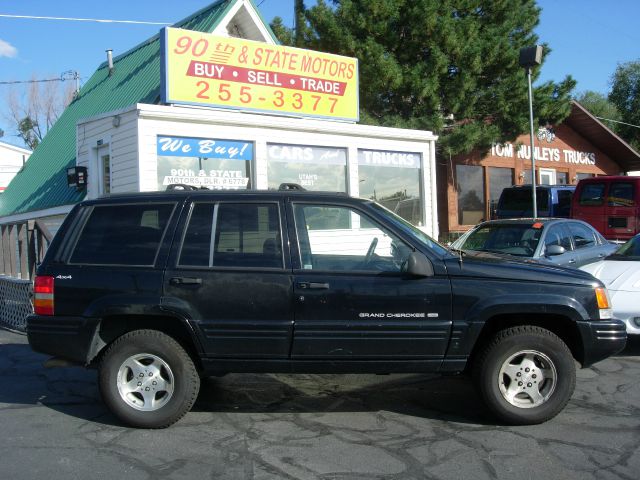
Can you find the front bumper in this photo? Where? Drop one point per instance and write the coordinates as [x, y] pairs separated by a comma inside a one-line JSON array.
[[601, 339], [66, 337]]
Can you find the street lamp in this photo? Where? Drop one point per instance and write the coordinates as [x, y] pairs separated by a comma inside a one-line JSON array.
[[529, 58]]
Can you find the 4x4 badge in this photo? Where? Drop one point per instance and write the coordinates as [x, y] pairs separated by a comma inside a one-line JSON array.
[[64, 277]]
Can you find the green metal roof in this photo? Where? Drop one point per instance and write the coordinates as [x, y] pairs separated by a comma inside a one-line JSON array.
[[42, 183]]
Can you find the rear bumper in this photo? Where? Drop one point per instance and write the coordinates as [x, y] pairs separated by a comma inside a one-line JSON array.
[[601, 339], [66, 337]]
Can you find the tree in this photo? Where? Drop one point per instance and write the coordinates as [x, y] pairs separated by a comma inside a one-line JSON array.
[[35, 110], [599, 106], [625, 95], [450, 66]]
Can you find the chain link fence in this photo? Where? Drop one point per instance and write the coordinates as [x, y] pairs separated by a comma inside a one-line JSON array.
[[15, 302]]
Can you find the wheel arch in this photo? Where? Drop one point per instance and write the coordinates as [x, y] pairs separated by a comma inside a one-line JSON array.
[[114, 326], [564, 327]]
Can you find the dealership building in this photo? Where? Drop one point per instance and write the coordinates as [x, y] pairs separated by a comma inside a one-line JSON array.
[[469, 186], [214, 101]]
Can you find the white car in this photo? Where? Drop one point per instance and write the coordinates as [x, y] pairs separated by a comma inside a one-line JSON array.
[[620, 272]]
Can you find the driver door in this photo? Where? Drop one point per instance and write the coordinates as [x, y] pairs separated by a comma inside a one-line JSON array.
[[352, 299]]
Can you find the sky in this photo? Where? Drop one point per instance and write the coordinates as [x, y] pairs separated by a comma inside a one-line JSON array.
[[588, 38]]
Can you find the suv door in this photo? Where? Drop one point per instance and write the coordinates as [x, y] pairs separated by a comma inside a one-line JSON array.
[[352, 299], [227, 276]]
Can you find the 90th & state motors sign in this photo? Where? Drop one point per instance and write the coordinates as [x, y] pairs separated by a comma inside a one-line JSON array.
[[205, 69]]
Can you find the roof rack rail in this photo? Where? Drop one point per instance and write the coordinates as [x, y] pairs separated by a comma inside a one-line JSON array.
[[183, 186], [291, 186]]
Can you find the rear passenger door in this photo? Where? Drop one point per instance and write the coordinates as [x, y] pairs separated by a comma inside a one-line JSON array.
[[227, 275]]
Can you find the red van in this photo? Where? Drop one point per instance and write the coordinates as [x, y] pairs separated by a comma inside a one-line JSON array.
[[610, 204]]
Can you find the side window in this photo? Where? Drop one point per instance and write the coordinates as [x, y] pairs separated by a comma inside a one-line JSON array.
[[557, 235], [233, 235], [564, 202], [582, 235], [122, 235], [620, 195], [340, 238], [592, 194]]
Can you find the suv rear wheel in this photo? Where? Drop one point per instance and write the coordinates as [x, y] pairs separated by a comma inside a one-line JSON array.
[[525, 375], [147, 379]]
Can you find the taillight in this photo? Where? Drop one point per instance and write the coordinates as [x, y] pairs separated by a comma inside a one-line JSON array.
[[43, 295]]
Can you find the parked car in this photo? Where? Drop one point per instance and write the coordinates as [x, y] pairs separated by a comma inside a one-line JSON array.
[[160, 289], [561, 241], [551, 201], [620, 272], [611, 204]]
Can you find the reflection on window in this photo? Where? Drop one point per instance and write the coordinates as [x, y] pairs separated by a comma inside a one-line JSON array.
[[314, 168], [393, 180], [582, 235], [621, 195], [592, 194], [139, 227], [499, 179], [347, 241], [471, 201], [245, 235]]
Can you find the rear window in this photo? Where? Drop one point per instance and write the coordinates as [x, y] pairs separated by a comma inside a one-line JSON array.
[[520, 199], [592, 194], [122, 234], [621, 195]]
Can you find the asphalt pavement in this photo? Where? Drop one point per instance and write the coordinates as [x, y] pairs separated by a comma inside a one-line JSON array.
[[53, 425]]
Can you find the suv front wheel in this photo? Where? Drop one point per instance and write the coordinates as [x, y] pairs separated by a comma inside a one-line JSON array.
[[147, 379], [525, 375]]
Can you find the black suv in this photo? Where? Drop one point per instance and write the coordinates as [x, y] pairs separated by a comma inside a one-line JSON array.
[[160, 289]]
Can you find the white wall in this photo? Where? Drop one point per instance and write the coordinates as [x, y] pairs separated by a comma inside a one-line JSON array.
[[12, 159], [133, 144]]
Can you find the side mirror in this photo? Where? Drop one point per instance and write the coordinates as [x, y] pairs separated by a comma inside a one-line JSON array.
[[553, 250], [419, 266]]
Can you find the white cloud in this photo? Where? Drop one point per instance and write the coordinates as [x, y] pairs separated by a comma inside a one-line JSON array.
[[7, 50]]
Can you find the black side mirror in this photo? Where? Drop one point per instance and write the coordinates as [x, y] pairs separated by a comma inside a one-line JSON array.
[[419, 266], [553, 250]]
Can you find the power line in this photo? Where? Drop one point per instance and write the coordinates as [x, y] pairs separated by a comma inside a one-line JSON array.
[[97, 20], [617, 121], [69, 75]]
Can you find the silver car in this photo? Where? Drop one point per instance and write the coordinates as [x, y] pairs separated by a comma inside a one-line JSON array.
[[562, 241]]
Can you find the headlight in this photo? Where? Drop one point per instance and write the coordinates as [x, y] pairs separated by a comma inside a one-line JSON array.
[[604, 305]]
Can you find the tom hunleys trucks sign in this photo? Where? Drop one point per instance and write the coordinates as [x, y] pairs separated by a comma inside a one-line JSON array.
[[204, 69]]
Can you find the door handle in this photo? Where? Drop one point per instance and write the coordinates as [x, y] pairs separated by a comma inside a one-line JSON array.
[[185, 281], [313, 285], [573, 260]]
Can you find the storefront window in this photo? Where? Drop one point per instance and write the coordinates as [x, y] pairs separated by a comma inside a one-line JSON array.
[[392, 179], [314, 168], [499, 179], [562, 178], [471, 200], [203, 162]]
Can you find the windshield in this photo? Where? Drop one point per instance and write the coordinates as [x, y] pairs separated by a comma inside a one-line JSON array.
[[410, 229], [628, 251], [520, 239]]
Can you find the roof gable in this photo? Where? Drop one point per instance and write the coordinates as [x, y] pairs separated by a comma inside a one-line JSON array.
[[135, 79]]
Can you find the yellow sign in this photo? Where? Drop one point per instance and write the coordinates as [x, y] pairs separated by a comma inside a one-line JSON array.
[[203, 69]]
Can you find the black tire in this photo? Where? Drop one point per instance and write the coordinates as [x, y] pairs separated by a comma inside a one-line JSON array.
[[525, 375], [147, 379]]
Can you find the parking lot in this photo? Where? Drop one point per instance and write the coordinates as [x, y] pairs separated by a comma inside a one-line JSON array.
[[54, 426]]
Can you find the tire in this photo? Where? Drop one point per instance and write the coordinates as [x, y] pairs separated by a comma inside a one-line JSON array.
[[525, 375], [147, 379]]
